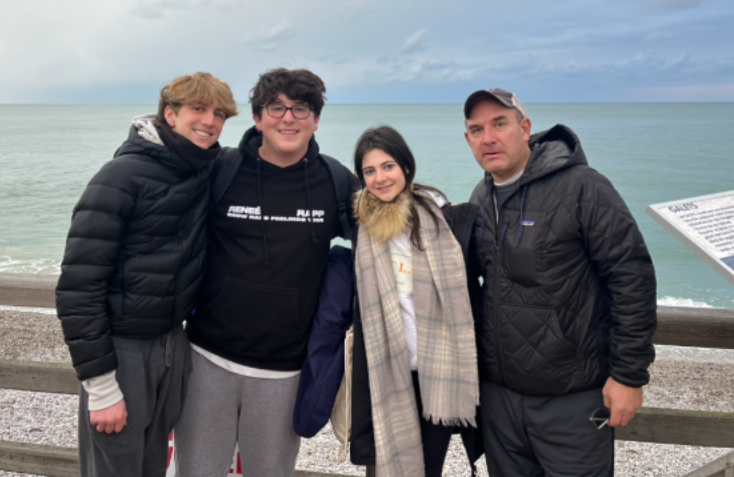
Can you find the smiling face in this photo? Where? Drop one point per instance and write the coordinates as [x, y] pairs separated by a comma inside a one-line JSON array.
[[199, 123], [285, 140], [498, 139], [382, 175]]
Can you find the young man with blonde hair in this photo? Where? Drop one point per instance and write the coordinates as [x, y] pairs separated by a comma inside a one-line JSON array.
[[133, 262]]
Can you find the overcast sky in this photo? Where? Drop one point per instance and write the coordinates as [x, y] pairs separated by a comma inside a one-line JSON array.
[[372, 51]]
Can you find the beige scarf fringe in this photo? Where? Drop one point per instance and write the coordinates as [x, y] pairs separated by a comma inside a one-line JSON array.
[[447, 358]]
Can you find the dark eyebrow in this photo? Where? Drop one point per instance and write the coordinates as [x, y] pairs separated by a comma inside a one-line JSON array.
[[295, 103], [500, 118]]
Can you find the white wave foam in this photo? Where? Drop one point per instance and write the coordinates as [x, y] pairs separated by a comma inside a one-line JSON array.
[[673, 301], [43, 265]]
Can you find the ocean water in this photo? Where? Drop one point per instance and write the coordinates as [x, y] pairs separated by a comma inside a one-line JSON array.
[[651, 152]]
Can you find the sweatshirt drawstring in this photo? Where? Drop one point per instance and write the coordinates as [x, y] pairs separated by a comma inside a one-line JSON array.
[[262, 213], [308, 197], [168, 339]]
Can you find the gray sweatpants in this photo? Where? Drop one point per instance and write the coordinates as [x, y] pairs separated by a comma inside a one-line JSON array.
[[152, 374], [224, 408]]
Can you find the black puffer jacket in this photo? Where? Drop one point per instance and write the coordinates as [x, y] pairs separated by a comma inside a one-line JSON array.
[[135, 252], [569, 295]]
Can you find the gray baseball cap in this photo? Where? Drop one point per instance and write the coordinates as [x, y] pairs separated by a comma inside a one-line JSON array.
[[505, 98]]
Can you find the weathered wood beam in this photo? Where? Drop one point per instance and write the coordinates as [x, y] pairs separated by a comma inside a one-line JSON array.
[[702, 327], [39, 377], [721, 467], [55, 461], [38, 459], [680, 326], [28, 289], [682, 427]]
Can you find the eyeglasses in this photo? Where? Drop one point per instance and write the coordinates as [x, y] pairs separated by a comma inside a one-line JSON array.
[[600, 417], [299, 111]]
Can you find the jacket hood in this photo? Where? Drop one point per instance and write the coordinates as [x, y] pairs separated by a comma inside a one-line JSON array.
[[139, 145], [552, 150]]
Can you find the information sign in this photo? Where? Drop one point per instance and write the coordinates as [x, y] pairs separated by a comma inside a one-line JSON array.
[[705, 225]]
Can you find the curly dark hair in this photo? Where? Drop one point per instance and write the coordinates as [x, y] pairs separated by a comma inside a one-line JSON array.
[[298, 85]]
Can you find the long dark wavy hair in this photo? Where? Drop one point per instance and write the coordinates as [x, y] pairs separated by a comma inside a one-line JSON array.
[[392, 143]]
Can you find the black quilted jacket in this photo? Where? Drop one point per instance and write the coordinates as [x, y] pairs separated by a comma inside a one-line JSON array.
[[135, 252], [568, 294]]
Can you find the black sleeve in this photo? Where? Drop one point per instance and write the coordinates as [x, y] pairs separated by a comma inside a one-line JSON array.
[[461, 218], [362, 447], [616, 248], [92, 246], [354, 186]]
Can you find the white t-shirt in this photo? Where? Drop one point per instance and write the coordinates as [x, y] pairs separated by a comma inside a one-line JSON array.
[[241, 369], [401, 252]]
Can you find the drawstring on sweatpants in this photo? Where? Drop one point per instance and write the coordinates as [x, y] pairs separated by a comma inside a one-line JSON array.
[[169, 347]]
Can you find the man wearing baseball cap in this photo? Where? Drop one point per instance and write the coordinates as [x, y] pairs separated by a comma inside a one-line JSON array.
[[568, 298]]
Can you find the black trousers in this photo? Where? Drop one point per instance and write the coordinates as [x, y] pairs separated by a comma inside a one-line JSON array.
[[435, 438], [535, 436]]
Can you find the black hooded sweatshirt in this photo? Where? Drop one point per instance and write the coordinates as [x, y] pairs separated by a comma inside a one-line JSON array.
[[269, 244]]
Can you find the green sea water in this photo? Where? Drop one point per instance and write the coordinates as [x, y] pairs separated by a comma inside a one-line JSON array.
[[651, 152]]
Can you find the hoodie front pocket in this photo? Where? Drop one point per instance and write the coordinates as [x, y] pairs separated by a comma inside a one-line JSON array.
[[254, 319]]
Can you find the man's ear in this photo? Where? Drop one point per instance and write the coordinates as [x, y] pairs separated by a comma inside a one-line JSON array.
[[170, 116], [526, 126], [258, 122]]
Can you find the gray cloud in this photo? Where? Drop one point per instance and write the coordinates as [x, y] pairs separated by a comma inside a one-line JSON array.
[[414, 41], [269, 39], [675, 4], [657, 35], [52, 49]]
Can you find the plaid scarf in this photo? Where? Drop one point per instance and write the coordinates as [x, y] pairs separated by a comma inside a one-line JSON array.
[[447, 358]]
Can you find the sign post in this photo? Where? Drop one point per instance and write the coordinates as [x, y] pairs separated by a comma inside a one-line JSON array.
[[705, 225]]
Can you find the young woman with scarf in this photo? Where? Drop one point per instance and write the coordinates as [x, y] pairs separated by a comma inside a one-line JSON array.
[[415, 365]]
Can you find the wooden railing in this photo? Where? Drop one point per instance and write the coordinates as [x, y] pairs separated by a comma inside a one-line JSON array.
[[699, 327]]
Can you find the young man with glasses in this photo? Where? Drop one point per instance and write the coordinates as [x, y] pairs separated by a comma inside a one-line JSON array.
[[270, 236]]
